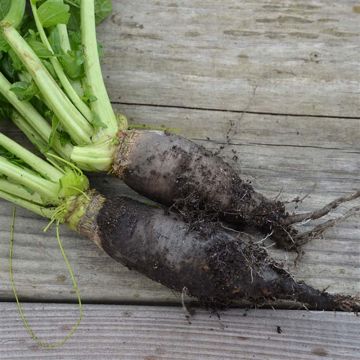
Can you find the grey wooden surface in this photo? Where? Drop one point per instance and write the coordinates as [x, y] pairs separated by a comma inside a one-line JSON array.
[[274, 88], [154, 333], [297, 57]]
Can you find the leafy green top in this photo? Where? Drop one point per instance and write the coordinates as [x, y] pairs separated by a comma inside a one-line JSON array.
[[66, 47]]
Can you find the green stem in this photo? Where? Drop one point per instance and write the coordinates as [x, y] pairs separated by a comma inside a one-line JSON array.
[[38, 341], [37, 209], [32, 117], [29, 132], [94, 79], [64, 38], [70, 91], [47, 189], [36, 163], [94, 157], [73, 122], [66, 47], [25, 109], [92, 165], [19, 191], [16, 13]]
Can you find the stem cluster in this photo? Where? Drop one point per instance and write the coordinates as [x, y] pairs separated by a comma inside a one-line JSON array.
[[56, 88]]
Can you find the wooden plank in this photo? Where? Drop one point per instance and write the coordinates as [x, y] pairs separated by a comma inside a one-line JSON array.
[[154, 333], [274, 56], [297, 155], [229, 128]]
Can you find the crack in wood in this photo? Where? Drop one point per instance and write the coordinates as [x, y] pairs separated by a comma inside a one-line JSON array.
[[184, 107]]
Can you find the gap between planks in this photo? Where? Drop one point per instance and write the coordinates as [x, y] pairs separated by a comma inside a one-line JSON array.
[[119, 103]]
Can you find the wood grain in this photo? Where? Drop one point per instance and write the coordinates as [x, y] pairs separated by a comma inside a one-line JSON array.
[[154, 333], [274, 56]]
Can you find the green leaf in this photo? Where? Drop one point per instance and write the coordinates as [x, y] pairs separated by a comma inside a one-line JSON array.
[[73, 61], [4, 46], [4, 8], [3, 99], [64, 138], [24, 90], [88, 97], [41, 107], [74, 21], [54, 128], [49, 68], [73, 64], [97, 123], [27, 25], [75, 40], [12, 158], [53, 12], [91, 98], [15, 61], [103, 9], [55, 41], [72, 183], [74, 3], [40, 49], [5, 110], [7, 68]]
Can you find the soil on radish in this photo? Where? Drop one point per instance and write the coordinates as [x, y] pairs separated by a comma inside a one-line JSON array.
[[197, 183], [179, 173], [216, 266]]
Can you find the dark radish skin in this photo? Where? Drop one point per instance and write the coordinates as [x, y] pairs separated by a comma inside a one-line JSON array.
[[177, 172], [211, 263]]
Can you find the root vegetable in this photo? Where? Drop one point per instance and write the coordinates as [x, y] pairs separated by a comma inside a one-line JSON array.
[[214, 265], [177, 172]]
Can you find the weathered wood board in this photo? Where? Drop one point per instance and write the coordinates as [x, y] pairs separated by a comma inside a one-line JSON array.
[[275, 56], [154, 333]]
